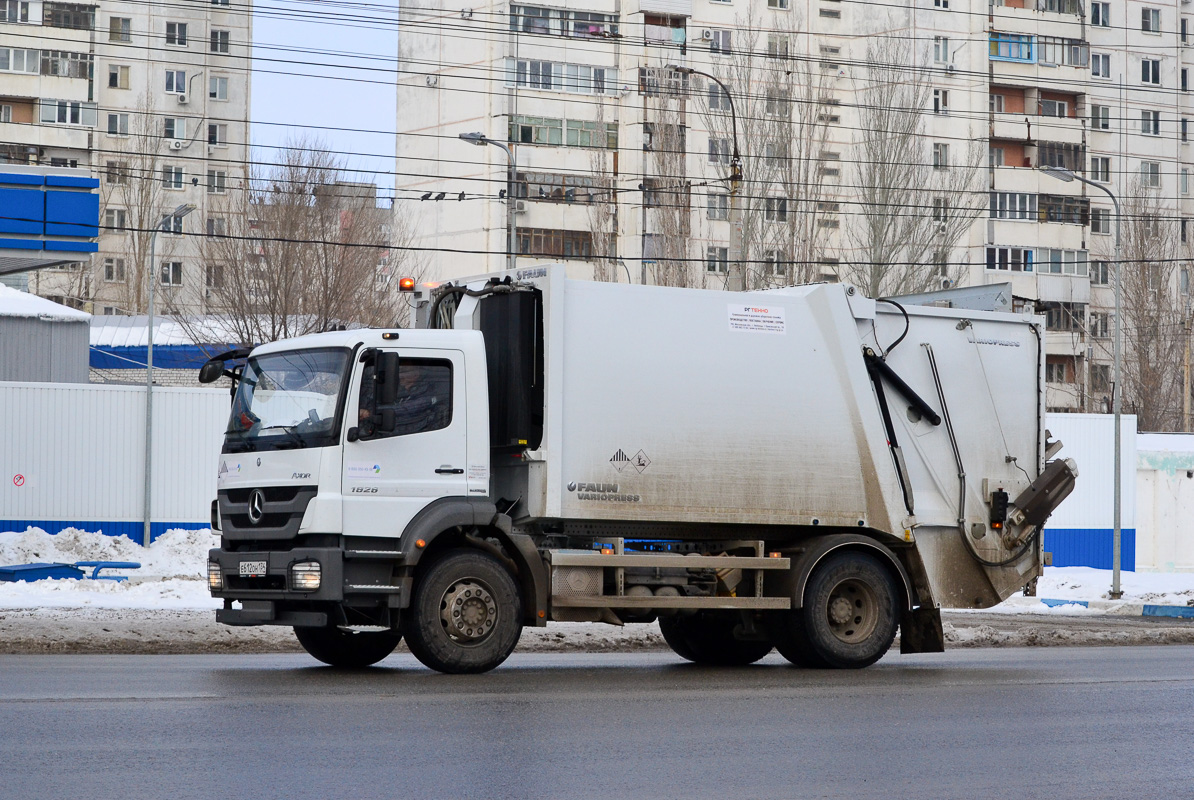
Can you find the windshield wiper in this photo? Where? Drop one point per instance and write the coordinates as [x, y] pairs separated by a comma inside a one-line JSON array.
[[298, 441]]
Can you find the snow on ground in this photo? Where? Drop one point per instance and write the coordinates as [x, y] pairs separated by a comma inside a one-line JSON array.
[[165, 607]]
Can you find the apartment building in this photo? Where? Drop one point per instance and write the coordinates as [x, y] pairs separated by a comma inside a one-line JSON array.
[[153, 99], [623, 161]]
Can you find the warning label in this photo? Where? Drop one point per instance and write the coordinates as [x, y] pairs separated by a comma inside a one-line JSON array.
[[757, 319]]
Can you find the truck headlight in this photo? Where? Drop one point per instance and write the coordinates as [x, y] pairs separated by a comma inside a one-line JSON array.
[[305, 576], [215, 577]]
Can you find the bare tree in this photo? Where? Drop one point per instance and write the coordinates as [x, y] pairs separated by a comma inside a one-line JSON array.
[[603, 209], [302, 250], [915, 198], [779, 93], [1153, 311], [666, 189]]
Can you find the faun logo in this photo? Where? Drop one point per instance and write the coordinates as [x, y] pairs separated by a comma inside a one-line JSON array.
[[605, 492]]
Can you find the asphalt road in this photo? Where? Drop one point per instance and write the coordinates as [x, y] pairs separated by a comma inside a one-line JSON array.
[[1115, 722]]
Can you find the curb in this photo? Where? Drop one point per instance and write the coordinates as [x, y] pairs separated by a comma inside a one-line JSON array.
[[1125, 609]]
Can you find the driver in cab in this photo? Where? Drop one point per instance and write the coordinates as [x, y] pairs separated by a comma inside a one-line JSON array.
[[421, 405]]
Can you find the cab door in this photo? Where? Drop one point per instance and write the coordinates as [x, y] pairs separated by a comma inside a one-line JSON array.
[[390, 476]]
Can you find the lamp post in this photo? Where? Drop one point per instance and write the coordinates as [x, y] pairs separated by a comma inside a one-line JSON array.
[[1066, 175], [178, 213], [737, 274], [481, 139]]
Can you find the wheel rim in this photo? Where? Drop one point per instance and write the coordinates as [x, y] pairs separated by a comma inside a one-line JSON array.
[[468, 611], [852, 611]]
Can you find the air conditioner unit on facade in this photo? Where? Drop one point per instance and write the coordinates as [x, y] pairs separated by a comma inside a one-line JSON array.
[[176, 144], [182, 99], [952, 68], [946, 283], [707, 34], [520, 207]]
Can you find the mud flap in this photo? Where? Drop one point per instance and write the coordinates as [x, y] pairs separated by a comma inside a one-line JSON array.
[[921, 632]]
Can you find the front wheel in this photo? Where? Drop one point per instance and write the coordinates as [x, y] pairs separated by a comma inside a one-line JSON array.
[[849, 617], [708, 638], [344, 648], [466, 614]]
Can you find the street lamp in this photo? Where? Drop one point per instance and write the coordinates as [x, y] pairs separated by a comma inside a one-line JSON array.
[[178, 213], [1066, 175], [481, 139], [737, 278]]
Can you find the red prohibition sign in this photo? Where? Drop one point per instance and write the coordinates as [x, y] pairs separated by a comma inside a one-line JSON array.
[[18, 480]]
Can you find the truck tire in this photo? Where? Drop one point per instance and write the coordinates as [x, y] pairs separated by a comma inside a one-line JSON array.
[[465, 615], [709, 639], [849, 617], [349, 649]]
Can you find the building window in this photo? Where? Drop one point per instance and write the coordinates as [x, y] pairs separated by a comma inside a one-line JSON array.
[[1013, 205], [1185, 79], [1100, 273], [940, 155], [1100, 376], [116, 173], [1100, 169], [116, 219], [1063, 52], [217, 134], [1100, 117], [118, 76], [940, 101], [176, 81], [1061, 154], [551, 76], [65, 64], [1068, 317], [829, 13], [216, 226], [1055, 371], [75, 16], [1060, 6], [718, 99], [217, 88], [940, 209], [176, 128], [176, 33], [1100, 65], [1060, 262], [1011, 47], [555, 243], [113, 270], [217, 181], [719, 151], [1064, 209], [995, 156], [120, 29], [1150, 123], [1100, 325], [1150, 71], [720, 42], [219, 41], [219, 2], [172, 273], [14, 11], [172, 177], [775, 209], [1185, 180], [777, 46], [719, 206], [1150, 20], [717, 259], [118, 124], [941, 4], [941, 49], [536, 130], [68, 112], [996, 103], [829, 58], [1185, 129], [1009, 259], [777, 104], [1100, 14], [780, 4], [777, 262], [591, 134], [1055, 108], [1150, 174], [19, 59], [1100, 220]]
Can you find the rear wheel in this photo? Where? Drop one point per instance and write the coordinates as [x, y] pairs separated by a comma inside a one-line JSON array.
[[345, 648], [709, 639], [466, 614], [849, 617]]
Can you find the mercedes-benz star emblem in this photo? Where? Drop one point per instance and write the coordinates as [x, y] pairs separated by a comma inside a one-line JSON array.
[[256, 506]]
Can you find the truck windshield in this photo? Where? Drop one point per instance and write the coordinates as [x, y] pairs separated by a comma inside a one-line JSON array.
[[287, 400]]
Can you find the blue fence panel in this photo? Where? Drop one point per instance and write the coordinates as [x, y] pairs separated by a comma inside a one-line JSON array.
[[1090, 547]]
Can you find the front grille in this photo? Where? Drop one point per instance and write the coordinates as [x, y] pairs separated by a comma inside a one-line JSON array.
[[273, 494], [282, 512]]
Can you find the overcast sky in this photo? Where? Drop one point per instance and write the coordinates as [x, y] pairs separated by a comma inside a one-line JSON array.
[[311, 51]]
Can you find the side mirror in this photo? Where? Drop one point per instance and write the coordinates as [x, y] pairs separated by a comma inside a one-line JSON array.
[[211, 372], [386, 394]]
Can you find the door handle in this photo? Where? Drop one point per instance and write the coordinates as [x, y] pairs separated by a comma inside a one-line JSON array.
[[449, 471]]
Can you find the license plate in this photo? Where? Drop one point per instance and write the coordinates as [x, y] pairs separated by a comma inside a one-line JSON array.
[[253, 569]]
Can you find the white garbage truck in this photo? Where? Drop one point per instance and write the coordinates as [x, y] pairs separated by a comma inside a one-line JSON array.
[[803, 469]]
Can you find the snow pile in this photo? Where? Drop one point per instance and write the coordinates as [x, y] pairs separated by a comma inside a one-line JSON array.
[[172, 570], [1086, 583]]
